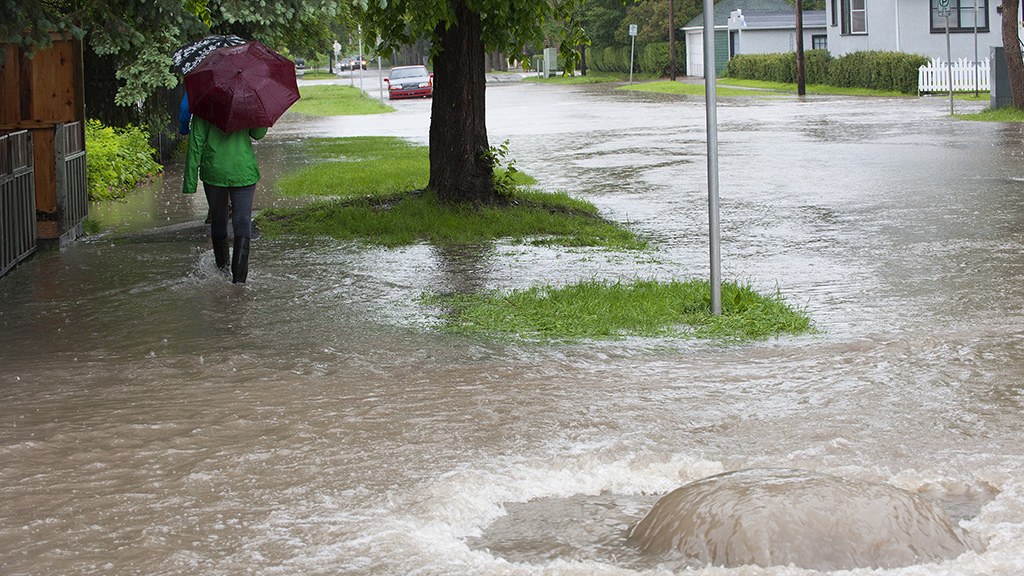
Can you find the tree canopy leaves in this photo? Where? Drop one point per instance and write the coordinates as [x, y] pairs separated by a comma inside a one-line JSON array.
[[142, 34]]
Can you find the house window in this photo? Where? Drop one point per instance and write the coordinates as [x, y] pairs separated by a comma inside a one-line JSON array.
[[855, 16], [819, 42], [961, 18], [835, 13]]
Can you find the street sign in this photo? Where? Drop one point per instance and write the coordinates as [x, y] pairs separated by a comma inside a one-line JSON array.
[[945, 12], [632, 27], [943, 3]]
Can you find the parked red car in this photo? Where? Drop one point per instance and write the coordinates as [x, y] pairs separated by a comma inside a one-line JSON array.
[[410, 82]]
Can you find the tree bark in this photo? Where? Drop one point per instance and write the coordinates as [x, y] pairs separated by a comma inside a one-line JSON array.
[[460, 171], [1011, 50]]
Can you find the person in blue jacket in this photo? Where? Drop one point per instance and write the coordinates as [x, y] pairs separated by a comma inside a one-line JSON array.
[[184, 116]]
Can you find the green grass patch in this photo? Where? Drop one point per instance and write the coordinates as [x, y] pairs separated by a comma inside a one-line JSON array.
[[597, 309], [1004, 114], [409, 218], [335, 100], [669, 87]]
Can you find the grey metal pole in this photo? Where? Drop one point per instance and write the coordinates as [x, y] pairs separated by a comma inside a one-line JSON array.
[[712, 123], [632, 44], [949, 57]]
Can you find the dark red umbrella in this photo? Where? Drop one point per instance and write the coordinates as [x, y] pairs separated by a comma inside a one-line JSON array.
[[238, 87]]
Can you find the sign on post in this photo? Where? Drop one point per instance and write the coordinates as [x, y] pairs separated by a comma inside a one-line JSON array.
[[632, 44]]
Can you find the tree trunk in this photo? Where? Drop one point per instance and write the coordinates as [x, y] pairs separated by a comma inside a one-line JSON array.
[[1011, 50], [801, 87], [672, 40], [459, 168]]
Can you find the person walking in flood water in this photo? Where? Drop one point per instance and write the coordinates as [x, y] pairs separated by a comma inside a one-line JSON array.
[[226, 163], [233, 95]]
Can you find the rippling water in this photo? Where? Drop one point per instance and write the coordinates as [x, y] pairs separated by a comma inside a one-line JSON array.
[[155, 419]]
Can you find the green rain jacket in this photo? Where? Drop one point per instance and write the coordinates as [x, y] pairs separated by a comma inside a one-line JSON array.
[[220, 158]]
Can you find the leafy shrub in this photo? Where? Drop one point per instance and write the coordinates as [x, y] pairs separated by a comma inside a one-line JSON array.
[[887, 71], [117, 160], [609, 59], [654, 58], [890, 71]]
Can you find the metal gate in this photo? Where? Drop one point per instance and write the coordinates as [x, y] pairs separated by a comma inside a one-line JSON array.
[[17, 199], [72, 188]]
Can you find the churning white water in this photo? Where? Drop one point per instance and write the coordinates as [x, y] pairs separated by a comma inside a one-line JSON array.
[[155, 419]]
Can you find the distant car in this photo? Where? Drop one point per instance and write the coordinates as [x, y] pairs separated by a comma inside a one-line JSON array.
[[345, 64], [358, 61], [300, 63], [410, 82]]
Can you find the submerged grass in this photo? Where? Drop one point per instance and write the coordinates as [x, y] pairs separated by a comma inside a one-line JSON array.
[[592, 77], [372, 192], [669, 87], [335, 100], [597, 309], [1004, 114], [408, 218], [355, 167]]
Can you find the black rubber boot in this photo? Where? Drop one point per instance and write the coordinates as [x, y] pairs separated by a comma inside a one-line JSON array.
[[240, 261], [222, 254]]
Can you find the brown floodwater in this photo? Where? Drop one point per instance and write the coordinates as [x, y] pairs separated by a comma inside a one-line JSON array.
[[155, 419]]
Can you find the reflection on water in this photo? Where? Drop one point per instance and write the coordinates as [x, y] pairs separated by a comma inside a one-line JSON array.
[[155, 418]]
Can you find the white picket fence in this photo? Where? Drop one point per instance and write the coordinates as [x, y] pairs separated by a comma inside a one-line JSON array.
[[968, 76]]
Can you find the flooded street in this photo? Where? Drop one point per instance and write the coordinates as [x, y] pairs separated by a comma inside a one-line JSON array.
[[155, 419]]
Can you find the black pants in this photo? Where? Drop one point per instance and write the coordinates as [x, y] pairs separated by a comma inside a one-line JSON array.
[[240, 198]]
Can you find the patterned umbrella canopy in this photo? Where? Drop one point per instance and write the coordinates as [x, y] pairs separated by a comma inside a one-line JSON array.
[[190, 55], [241, 87]]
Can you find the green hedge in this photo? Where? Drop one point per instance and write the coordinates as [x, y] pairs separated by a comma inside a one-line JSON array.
[[891, 71], [117, 160], [888, 71]]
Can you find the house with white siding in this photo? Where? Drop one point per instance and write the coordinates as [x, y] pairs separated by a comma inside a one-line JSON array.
[[911, 26], [914, 26]]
